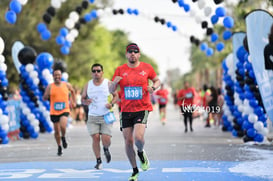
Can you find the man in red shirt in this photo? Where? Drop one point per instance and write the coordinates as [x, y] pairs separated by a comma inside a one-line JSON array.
[[133, 79], [162, 99], [185, 100]]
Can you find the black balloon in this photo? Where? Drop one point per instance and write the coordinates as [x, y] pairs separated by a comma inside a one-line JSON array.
[[121, 11], [77, 26], [156, 19], [82, 21], [204, 24], [218, 1], [174, 1], [27, 55], [85, 4], [115, 11], [47, 18], [209, 31], [78, 10], [162, 21], [51, 11]]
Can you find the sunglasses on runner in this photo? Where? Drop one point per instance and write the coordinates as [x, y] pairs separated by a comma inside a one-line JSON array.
[[133, 50], [94, 71]]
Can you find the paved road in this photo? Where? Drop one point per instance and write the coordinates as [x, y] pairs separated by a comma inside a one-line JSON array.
[[205, 154]]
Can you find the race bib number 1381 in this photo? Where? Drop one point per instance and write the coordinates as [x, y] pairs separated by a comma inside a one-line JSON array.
[[133, 93]]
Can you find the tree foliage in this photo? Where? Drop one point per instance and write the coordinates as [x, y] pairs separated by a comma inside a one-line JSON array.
[[95, 44]]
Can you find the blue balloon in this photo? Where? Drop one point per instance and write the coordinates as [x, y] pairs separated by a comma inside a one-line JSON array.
[[203, 46], [234, 133], [251, 132], [5, 82], [214, 19], [2, 75], [87, 17], [209, 52], [169, 24], [91, 1], [94, 14], [44, 60], [259, 138], [67, 43], [15, 6], [65, 50], [11, 17], [45, 35], [129, 11], [186, 7], [34, 135], [41, 27], [228, 22], [220, 46], [60, 40], [5, 140], [213, 37], [64, 31], [181, 3], [174, 28], [240, 53], [135, 11], [227, 34], [220, 12]]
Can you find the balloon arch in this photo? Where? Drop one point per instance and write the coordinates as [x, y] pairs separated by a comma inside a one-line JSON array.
[[244, 112]]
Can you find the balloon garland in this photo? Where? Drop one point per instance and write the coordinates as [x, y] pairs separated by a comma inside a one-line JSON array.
[[4, 119], [45, 33], [15, 8], [34, 115], [228, 84], [69, 32]]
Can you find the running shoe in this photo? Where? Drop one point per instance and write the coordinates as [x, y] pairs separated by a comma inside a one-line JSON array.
[[133, 177], [98, 166], [107, 155], [59, 153], [144, 161], [64, 143]]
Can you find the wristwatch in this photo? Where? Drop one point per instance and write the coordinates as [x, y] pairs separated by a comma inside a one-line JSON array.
[[153, 88]]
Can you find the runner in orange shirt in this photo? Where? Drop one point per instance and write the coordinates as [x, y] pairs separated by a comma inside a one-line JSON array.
[[133, 78], [162, 99], [58, 95]]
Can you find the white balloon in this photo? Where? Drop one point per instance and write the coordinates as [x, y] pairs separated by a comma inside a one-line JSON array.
[[46, 72], [5, 127], [192, 13], [4, 119], [3, 67], [2, 45], [70, 37], [69, 23], [22, 2], [264, 131], [36, 129], [201, 4], [258, 126], [100, 12], [65, 75], [74, 32], [74, 16], [2, 59], [252, 118], [207, 11], [29, 67], [36, 80], [1, 112], [56, 4]]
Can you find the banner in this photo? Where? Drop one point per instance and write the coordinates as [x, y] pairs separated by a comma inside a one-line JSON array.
[[237, 42], [258, 24]]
